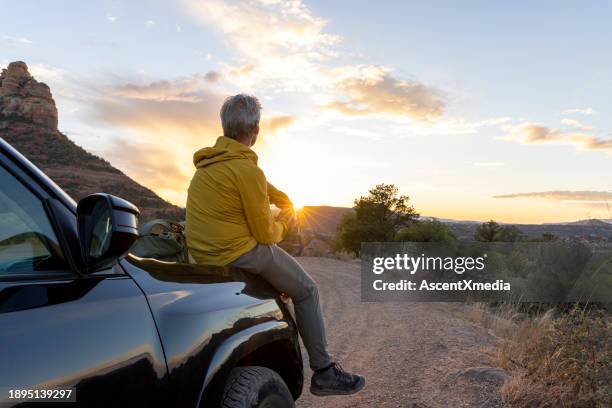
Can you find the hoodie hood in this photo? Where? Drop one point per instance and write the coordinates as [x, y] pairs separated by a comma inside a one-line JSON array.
[[224, 149]]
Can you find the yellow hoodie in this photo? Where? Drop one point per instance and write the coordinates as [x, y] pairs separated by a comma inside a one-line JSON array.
[[228, 204]]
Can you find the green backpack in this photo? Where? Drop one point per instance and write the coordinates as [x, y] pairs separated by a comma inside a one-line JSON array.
[[163, 240]]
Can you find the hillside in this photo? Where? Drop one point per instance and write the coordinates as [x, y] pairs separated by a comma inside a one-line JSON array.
[[28, 121], [323, 219]]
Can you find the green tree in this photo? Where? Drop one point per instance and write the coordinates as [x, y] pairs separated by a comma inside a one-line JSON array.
[[491, 231], [377, 218], [427, 231], [509, 233], [487, 231]]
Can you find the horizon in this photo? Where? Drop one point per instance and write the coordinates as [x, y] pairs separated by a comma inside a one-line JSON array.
[[446, 219], [504, 122]]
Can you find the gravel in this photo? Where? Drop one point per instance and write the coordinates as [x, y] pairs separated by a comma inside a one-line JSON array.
[[409, 352]]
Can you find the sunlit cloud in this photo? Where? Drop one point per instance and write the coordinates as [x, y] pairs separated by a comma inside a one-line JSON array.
[[241, 71], [358, 132], [292, 52], [576, 124], [180, 89], [372, 89], [275, 123], [152, 163], [187, 106], [170, 120], [489, 164], [529, 133], [263, 28], [112, 19], [198, 117], [279, 44]]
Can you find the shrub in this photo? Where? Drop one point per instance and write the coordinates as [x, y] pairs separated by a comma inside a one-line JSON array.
[[491, 231], [427, 231], [565, 362]]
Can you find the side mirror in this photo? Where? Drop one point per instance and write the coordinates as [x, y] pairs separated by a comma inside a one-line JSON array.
[[108, 226]]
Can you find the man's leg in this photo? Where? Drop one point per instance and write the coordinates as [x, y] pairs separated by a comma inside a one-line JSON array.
[[283, 272], [286, 275]]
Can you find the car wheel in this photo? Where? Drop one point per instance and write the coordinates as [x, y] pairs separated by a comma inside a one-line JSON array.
[[255, 387]]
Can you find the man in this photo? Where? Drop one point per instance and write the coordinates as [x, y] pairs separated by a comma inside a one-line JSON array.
[[229, 222]]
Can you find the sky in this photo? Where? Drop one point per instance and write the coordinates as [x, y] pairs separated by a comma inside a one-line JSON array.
[[477, 110]]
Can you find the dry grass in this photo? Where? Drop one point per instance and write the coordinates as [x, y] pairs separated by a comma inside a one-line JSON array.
[[554, 362], [500, 320]]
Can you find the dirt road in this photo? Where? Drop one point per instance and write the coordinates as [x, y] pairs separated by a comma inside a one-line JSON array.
[[410, 353]]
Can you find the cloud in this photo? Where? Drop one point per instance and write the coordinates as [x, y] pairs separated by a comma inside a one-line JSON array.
[[180, 89], [212, 76], [528, 133], [564, 195], [171, 120], [576, 124], [582, 111], [150, 23], [112, 19], [489, 164], [275, 123], [241, 71], [282, 43], [453, 126], [69, 91], [372, 89], [187, 107], [45, 73], [283, 47], [151, 164], [16, 40], [358, 132], [162, 117], [279, 26]]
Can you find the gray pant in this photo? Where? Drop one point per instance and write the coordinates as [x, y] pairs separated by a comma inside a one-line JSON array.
[[283, 272]]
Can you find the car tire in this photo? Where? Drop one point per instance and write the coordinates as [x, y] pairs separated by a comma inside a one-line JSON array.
[[255, 387]]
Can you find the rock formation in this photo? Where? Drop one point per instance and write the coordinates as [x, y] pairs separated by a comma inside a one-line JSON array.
[[23, 97], [28, 121]]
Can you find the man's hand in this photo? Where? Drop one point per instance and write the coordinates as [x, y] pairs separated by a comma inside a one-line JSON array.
[[288, 216]]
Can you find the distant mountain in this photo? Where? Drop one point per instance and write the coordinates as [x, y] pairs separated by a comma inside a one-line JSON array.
[[321, 221], [588, 223], [28, 121], [590, 230]]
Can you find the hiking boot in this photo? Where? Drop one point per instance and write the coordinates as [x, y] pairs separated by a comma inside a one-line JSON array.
[[333, 380]]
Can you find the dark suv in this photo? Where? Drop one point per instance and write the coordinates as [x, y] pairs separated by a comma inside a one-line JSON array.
[[77, 313]]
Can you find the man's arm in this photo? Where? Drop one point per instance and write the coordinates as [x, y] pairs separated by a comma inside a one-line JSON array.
[[253, 189], [278, 198]]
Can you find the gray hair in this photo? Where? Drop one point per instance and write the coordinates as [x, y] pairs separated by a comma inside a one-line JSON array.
[[240, 115]]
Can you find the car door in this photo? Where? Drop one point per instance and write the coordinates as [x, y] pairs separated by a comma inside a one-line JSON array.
[[60, 328]]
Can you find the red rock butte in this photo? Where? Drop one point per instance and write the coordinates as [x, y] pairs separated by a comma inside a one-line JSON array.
[[24, 97], [28, 121]]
